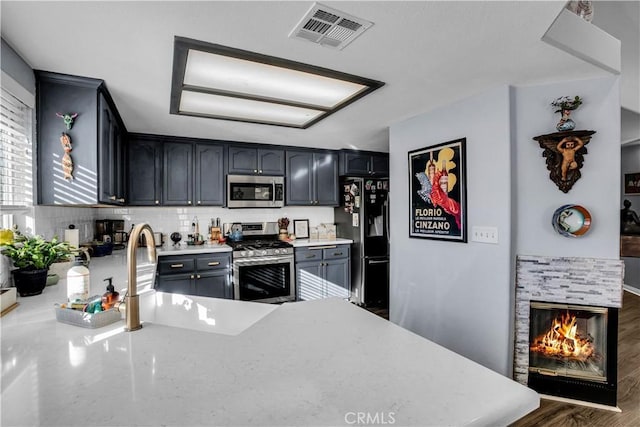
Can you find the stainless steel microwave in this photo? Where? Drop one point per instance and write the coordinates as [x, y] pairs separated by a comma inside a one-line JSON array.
[[248, 191]]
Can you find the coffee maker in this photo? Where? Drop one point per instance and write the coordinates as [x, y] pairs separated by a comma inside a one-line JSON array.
[[111, 230]]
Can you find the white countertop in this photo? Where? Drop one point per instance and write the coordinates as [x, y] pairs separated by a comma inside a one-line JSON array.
[[170, 249], [316, 242], [305, 363]]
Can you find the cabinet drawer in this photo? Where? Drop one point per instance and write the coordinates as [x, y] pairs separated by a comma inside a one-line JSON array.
[[212, 262], [304, 255], [174, 265], [339, 252]]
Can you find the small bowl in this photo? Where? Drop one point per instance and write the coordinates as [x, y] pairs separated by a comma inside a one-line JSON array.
[[571, 220]]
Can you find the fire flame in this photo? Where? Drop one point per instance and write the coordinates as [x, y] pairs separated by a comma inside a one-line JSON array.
[[563, 340]]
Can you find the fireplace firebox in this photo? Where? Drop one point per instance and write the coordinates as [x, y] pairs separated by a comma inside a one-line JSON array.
[[573, 351]]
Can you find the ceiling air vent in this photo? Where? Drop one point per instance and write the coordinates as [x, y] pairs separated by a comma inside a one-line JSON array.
[[329, 27]]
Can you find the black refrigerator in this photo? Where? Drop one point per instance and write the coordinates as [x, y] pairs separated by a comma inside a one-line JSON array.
[[363, 216]]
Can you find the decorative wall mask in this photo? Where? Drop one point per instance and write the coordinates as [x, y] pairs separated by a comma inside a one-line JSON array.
[[67, 163], [67, 119]]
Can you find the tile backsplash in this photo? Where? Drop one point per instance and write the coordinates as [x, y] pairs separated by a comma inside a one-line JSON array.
[[167, 220], [53, 220]]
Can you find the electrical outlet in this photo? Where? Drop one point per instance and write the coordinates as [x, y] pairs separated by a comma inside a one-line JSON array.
[[484, 234]]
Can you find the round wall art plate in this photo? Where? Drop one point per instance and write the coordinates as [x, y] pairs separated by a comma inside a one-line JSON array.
[[571, 220]]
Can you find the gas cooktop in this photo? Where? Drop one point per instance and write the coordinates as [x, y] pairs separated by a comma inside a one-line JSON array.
[[261, 248]]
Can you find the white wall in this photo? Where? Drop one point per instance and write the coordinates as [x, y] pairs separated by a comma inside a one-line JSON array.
[[598, 188], [461, 295], [458, 295]]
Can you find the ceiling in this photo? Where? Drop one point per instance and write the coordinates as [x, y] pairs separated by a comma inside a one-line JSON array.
[[429, 54]]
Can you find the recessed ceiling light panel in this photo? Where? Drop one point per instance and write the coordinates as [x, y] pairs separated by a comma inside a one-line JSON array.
[[209, 105], [208, 76]]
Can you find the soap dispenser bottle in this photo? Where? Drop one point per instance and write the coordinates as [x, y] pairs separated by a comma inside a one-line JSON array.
[[78, 281], [110, 297]]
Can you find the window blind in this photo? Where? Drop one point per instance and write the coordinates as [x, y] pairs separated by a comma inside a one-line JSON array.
[[16, 152]]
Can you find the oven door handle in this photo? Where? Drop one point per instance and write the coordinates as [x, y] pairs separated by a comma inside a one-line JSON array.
[[263, 260]]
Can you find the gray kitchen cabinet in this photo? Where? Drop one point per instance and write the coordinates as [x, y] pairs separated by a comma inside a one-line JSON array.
[[112, 154], [97, 140], [323, 272], [247, 160], [177, 174], [363, 163], [144, 171], [207, 275], [312, 178], [209, 174]]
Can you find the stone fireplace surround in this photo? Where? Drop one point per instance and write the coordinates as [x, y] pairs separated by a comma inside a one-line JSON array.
[[585, 281]]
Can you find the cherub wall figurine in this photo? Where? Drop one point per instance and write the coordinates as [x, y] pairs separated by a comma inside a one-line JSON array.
[[568, 147], [565, 152]]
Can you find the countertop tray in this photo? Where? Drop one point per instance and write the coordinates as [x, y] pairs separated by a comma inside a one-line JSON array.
[[87, 320]]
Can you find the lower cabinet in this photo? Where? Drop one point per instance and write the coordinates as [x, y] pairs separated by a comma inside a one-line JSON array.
[[207, 275], [323, 272]]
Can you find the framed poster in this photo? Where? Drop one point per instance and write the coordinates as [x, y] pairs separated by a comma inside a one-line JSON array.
[[301, 228], [438, 192], [631, 183]]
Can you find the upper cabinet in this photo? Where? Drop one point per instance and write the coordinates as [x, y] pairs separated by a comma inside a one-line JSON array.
[[177, 188], [209, 174], [80, 142], [111, 143], [362, 163], [248, 160], [145, 170], [169, 171], [312, 178]]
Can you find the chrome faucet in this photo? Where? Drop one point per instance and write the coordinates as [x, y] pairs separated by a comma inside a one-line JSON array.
[[132, 303]]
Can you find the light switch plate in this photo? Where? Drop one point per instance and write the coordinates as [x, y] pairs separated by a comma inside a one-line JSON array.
[[484, 234]]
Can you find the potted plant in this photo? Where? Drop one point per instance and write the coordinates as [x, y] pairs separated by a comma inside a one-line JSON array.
[[32, 256]]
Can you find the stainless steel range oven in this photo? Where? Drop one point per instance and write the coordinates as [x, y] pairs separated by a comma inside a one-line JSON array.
[[263, 266]]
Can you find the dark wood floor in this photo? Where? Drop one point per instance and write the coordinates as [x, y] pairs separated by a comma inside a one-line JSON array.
[[553, 413]]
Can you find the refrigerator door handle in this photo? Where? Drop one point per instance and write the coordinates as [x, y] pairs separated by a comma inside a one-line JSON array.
[[387, 203], [381, 261]]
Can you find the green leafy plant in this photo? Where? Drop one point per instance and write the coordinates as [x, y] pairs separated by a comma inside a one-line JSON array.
[[35, 253], [566, 103]]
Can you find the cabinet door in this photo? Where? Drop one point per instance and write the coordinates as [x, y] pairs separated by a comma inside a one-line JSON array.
[[271, 162], [177, 284], [107, 145], [356, 164], [144, 172], [337, 278], [243, 160], [380, 165], [326, 179], [177, 186], [299, 187], [120, 164], [209, 175], [309, 281], [214, 284]]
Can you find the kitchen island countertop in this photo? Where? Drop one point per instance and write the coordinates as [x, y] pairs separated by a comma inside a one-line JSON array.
[[323, 362]]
